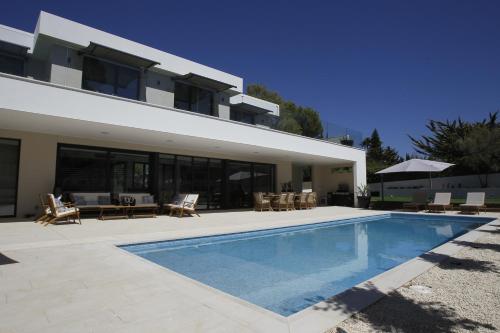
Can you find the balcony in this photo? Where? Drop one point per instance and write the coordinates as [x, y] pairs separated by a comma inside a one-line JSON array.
[[36, 106]]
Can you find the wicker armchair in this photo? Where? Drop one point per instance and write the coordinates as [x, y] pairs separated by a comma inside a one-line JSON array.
[[281, 203], [260, 203], [301, 202]]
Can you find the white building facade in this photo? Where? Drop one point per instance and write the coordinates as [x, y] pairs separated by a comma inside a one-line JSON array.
[[82, 110]]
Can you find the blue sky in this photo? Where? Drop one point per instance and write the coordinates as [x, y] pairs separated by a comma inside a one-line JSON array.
[[390, 65]]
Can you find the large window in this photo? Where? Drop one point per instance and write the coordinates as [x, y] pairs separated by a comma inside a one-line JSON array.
[[219, 183], [129, 172], [239, 184], [192, 98], [82, 169], [109, 78], [9, 166], [11, 64]]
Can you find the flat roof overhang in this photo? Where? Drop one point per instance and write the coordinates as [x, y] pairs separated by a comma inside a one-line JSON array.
[[13, 49], [203, 82], [109, 53], [254, 105], [70, 112]]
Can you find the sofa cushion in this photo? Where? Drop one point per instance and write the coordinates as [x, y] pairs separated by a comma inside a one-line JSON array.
[[79, 200], [104, 200]]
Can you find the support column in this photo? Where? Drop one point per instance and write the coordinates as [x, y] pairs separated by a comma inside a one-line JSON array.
[[359, 174]]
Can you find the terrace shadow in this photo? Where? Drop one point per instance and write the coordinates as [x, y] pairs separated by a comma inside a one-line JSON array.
[[486, 246], [467, 264], [396, 313], [4, 260]]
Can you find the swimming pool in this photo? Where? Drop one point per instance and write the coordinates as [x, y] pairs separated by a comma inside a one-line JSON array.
[[288, 269]]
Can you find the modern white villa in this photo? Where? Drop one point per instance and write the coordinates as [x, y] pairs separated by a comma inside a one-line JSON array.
[[87, 111]]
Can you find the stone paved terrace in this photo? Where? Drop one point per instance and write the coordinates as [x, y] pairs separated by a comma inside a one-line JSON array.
[[72, 278]]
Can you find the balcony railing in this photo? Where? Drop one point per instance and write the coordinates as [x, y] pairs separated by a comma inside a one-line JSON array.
[[343, 135]]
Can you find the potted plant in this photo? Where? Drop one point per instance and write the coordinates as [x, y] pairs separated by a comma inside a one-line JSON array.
[[364, 197]]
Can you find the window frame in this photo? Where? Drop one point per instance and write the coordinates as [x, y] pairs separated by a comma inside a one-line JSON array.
[[19, 143], [115, 76], [190, 98], [17, 57]]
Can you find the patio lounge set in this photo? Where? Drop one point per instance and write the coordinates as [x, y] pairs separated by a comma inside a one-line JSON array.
[[123, 206], [474, 202], [284, 201]]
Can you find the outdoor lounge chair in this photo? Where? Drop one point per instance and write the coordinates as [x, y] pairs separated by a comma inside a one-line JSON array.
[[418, 201], [188, 206], [45, 214], [441, 202], [260, 203], [177, 200], [59, 210], [474, 203], [281, 202]]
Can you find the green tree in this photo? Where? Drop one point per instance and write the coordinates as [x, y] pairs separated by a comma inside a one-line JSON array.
[[378, 157], [473, 147], [293, 118]]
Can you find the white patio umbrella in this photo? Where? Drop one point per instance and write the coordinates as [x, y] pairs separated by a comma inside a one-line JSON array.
[[414, 165]]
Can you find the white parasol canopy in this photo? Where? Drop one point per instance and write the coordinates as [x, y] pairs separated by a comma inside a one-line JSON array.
[[414, 165], [417, 165]]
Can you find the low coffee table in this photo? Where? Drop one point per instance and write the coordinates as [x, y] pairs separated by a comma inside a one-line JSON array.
[[113, 212], [143, 210]]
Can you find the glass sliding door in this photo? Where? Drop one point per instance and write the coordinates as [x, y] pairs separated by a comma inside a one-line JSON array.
[[200, 181], [239, 184], [167, 177], [9, 168], [184, 174], [215, 177], [81, 169], [219, 183], [263, 178], [129, 172]]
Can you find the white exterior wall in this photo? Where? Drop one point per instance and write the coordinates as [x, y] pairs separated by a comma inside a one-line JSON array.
[[458, 186], [65, 66], [80, 36]]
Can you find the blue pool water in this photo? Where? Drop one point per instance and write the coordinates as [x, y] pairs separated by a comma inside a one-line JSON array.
[[288, 269]]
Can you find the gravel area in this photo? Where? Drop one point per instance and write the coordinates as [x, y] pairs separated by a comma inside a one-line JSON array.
[[462, 294]]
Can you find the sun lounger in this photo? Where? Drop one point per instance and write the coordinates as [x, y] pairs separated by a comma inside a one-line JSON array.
[[59, 210], [474, 203], [419, 201], [188, 206], [442, 201]]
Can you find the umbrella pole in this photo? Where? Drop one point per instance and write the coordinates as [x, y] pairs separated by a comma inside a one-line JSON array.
[[430, 181], [382, 186]]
